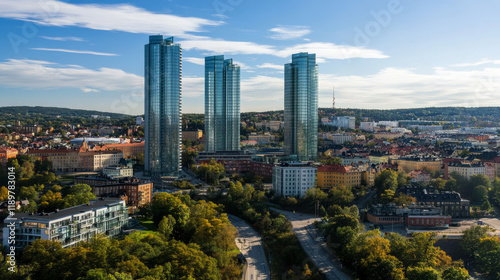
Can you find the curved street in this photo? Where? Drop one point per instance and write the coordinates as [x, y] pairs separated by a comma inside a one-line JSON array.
[[313, 245], [250, 245]]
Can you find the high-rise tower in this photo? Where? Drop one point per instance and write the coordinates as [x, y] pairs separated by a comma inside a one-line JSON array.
[[301, 107], [222, 104], [162, 106]]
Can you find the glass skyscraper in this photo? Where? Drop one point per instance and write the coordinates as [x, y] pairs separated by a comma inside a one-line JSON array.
[[162, 106], [301, 107], [222, 104]]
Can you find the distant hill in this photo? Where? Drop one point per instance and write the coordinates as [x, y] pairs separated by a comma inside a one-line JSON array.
[[473, 115], [54, 111]]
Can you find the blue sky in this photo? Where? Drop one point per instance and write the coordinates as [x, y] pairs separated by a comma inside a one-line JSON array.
[[377, 54]]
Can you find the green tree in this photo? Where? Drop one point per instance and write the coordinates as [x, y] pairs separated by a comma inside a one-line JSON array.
[[479, 180], [480, 194], [386, 180], [4, 194], [472, 238], [422, 273], [78, 194], [165, 204], [455, 273], [166, 226], [340, 195], [486, 206], [451, 185]]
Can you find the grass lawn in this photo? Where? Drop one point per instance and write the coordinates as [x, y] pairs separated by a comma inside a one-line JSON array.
[[148, 224]]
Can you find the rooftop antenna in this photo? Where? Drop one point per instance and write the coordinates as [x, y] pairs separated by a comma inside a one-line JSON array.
[[333, 105]]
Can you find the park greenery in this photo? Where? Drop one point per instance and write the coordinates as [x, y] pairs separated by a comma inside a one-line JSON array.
[[289, 260], [484, 250], [35, 183], [193, 240], [373, 255]]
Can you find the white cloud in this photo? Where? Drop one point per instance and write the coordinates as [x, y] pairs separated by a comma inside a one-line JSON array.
[[78, 39], [193, 86], [332, 51], [48, 75], [405, 88], [89, 90], [285, 32], [119, 17], [481, 62], [262, 93], [242, 65], [323, 50], [272, 66], [195, 60], [219, 46], [74, 51]]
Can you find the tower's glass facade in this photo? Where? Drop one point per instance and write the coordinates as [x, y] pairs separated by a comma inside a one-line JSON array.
[[301, 107], [162, 106], [222, 104]]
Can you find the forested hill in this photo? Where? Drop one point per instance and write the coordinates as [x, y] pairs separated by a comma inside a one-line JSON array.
[[54, 111], [473, 115]]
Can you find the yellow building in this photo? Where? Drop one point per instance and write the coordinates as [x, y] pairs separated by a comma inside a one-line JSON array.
[[6, 154], [330, 176], [192, 134], [411, 164]]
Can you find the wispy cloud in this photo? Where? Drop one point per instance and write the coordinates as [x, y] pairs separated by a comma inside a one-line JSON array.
[[219, 46], [89, 90], [481, 62], [406, 88], [74, 51], [242, 65], [49, 75], [287, 32], [195, 60], [193, 86], [78, 39], [271, 66], [323, 50], [332, 51], [119, 17]]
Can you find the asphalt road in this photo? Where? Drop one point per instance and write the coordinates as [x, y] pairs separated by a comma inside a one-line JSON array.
[[314, 246], [250, 245]]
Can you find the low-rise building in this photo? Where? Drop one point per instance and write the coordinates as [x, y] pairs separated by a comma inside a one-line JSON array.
[[137, 192], [368, 126], [293, 179], [412, 216], [411, 163], [69, 226], [330, 176], [420, 176], [6, 154], [465, 169], [192, 134], [450, 203], [265, 138], [235, 162], [118, 171]]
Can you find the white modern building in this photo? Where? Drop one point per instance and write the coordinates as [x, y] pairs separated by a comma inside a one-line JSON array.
[[293, 179], [69, 226], [117, 171], [368, 126], [343, 121], [389, 123]]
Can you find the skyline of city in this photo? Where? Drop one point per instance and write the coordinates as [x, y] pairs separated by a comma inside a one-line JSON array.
[[381, 55]]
